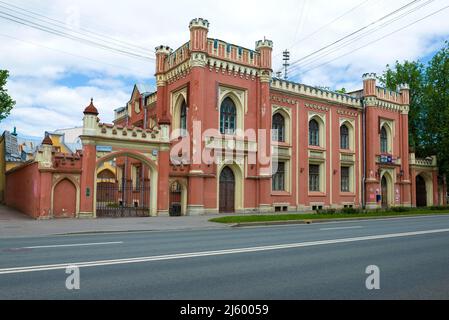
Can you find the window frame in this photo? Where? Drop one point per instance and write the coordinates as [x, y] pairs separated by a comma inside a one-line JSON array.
[[314, 136], [345, 141], [228, 117], [279, 134], [279, 182], [314, 178]]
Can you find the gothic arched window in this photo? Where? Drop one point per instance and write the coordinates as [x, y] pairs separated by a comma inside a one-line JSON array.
[[383, 140], [314, 133], [344, 137], [183, 117], [278, 128], [228, 117]]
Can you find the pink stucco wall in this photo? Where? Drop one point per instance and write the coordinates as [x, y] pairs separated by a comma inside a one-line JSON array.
[[23, 189]]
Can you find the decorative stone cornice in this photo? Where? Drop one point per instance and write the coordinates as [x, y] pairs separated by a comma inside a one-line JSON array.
[[161, 80], [232, 68], [179, 72], [315, 93], [264, 44], [199, 23], [198, 59], [317, 107], [265, 76]]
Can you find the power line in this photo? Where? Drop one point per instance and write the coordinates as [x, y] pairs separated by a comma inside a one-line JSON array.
[[327, 25], [356, 32], [377, 40], [350, 41], [61, 24], [67, 53], [62, 34]]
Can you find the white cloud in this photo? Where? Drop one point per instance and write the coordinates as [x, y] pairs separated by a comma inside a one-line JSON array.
[[39, 62]]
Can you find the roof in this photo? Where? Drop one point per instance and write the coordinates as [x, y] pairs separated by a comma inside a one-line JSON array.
[[90, 109], [17, 148]]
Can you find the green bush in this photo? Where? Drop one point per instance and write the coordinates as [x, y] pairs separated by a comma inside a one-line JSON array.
[[400, 209], [439, 208], [350, 211], [327, 211]]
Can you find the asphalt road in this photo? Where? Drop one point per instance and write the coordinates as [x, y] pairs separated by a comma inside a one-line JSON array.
[[319, 261]]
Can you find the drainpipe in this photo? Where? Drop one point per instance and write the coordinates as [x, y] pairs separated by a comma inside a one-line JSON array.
[[364, 153]]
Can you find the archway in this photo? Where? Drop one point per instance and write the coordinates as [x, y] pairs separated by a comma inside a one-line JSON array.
[[421, 192], [227, 191], [64, 199], [134, 194], [424, 189], [385, 193], [178, 198]]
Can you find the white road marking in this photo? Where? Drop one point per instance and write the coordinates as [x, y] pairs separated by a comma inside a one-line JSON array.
[[341, 228], [213, 253], [74, 245]]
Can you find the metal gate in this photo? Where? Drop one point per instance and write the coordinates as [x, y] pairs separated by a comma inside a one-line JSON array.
[[116, 200]]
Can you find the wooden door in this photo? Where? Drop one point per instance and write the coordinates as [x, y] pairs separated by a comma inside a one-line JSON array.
[[384, 193], [227, 191], [421, 192]]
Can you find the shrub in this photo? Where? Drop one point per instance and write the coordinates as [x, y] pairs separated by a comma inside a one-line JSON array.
[[439, 208], [350, 211], [327, 211], [400, 209]]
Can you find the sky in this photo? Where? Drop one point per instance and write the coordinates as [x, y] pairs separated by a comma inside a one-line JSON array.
[[53, 79]]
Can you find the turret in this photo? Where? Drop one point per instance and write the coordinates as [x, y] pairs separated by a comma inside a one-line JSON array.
[[199, 29], [265, 49], [404, 89], [90, 120], [369, 84], [162, 52]]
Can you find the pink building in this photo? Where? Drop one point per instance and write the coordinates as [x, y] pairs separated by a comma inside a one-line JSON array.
[[226, 115]]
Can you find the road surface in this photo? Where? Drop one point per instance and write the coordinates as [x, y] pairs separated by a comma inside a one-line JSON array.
[[318, 261]]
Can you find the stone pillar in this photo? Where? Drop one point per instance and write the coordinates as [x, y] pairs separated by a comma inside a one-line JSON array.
[[372, 140], [45, 160], [89, 162], [198, 46], [164, 173], [162, 52], [265, 49], [405, 165]]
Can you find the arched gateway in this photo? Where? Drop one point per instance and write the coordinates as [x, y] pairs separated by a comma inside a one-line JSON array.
[[139, 157]]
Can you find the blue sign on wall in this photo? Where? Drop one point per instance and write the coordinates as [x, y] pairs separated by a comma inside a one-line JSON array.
[[104, 149]]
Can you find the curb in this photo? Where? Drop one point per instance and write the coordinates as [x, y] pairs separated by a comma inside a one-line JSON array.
[[303, 222]]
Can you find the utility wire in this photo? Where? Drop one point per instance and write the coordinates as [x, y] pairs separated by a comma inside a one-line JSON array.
[[40, 27], [67, 53], [326, 25], [356, 32], [62, 24], [377, 40], [312, 60]]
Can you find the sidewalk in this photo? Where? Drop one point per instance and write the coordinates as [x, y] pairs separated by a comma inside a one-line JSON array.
[[14, 224]]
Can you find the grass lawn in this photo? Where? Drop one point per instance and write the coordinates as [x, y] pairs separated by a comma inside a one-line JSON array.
[[316, 216]]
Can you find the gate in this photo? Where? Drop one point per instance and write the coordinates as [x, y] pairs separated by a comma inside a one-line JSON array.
[[116, 200]]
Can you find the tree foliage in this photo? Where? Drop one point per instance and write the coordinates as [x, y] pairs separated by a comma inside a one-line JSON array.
[[6, 102], [429, 103]]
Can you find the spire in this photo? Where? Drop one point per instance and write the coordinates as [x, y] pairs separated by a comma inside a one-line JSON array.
[[47, 140], [90, 109]]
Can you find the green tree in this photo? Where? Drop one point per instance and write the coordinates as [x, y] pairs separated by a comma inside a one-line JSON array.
[[6, 102], [429, 103], [411, 73], [436, 95]]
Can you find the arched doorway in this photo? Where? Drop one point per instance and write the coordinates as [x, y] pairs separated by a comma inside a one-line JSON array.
[[384, 190], [175, 199], [64, 199], [227, 191], [135, 192], [421, 192]]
